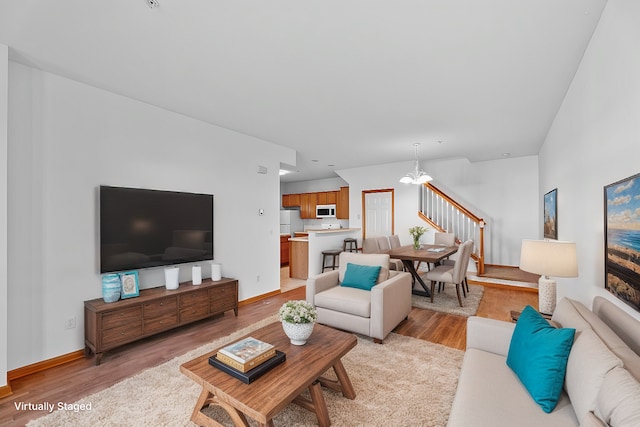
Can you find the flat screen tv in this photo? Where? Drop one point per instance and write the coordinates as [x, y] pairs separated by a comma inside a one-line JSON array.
[[142, 228]]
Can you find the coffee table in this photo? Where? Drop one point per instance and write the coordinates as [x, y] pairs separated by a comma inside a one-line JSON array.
[[269, 394]]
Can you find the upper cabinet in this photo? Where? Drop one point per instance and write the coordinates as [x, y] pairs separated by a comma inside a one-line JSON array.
[[307, 202], [342, 205]]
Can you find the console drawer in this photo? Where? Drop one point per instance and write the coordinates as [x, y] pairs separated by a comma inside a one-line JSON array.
[[160, 308], [194, 311], [158, 324], [122, 334], [129, 316]]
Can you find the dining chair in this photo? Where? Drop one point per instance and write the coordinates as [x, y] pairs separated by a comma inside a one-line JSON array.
[[447, 239], [394, 241], [384, 245], [452, 274]]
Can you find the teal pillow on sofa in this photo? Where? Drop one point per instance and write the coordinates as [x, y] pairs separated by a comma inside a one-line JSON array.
[[538, 355], [361, 276]]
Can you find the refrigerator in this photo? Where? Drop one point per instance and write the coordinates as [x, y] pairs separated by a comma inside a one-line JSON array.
[[290, 221]]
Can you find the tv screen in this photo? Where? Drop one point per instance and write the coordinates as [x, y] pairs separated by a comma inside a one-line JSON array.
[[148, 228]]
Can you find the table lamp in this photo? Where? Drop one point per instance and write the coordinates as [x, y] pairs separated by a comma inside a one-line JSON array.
[[548, 258]]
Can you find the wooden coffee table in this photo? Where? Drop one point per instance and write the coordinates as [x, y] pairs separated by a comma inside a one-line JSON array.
[[269, 394]]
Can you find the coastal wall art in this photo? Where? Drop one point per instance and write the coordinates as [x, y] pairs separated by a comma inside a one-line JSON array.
[[622, 240], [551, 214]]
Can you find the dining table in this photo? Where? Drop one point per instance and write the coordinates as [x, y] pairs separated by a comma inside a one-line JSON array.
[[431, 254]]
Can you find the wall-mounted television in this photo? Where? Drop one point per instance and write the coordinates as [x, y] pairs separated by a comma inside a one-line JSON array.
[[142, 228]]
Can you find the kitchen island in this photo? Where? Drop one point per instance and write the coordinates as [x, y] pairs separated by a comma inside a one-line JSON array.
[[317, 241]]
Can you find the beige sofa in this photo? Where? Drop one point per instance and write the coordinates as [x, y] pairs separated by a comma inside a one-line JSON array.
[[372, 313], [601, 384]]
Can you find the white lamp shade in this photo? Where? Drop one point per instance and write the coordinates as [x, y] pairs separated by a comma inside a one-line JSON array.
[[549, 258]]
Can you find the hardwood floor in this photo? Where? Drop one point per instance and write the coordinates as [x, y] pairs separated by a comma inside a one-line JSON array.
[[70, 382]]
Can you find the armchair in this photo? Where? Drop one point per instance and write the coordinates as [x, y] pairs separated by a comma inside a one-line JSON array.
[[372, 313]]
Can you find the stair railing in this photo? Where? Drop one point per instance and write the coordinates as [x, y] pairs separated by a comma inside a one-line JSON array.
[[446, 215]]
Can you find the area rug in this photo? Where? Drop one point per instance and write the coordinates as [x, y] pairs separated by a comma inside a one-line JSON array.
[[446, 301], [404, 381]]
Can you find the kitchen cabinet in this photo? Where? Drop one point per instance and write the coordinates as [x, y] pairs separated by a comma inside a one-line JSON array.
[[342, 205], [328, 197], [290, 200], [284, 249], [299, 259], [308, 203]]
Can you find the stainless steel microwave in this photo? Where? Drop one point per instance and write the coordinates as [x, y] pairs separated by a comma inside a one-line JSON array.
[[325, 211]]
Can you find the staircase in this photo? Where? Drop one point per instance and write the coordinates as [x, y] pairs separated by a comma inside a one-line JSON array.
[[446, 215]]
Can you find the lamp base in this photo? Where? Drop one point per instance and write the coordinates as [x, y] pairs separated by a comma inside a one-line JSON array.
[[546, 295]]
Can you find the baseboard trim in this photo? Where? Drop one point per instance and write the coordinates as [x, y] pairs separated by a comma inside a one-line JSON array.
[[5, 391], [258, 298], [504, 285], [44, 365]]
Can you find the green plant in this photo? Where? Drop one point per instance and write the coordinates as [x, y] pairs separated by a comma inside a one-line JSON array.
[[299, 311]]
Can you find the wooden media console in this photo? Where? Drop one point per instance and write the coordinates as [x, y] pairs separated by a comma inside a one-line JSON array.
[[110, 325]]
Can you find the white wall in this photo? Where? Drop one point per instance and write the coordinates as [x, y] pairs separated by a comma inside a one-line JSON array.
[[4, 87], [504, 192], [595, 141], [66, 139]]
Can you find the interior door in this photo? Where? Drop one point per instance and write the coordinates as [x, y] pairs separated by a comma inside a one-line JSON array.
[[377, 208]]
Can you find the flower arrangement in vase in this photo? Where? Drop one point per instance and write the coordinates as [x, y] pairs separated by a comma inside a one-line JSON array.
[[298, 318], [417, 232]]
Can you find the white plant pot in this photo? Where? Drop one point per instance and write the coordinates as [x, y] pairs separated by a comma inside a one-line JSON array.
[[171, 278], [298, 333]]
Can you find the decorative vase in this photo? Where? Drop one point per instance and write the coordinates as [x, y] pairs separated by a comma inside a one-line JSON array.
[[171, 275], [298, 333], [111, 286], [416, 243]]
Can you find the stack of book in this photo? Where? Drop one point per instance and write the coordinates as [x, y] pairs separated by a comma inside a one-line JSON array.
[[247, 359]]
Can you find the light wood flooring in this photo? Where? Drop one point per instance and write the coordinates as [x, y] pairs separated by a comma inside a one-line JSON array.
[[74, 380]]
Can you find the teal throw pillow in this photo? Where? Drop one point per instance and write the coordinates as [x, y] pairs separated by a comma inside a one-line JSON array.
[[361, 276], [538, 355]]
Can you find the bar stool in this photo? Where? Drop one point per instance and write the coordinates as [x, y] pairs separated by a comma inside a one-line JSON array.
[[350, 245], [333, 253]]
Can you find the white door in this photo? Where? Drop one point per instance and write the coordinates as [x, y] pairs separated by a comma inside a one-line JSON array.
[[378, 213]]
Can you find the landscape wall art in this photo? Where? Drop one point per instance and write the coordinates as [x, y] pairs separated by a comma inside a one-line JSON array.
[[622, 240]]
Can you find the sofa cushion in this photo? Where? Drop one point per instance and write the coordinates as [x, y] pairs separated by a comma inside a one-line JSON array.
[[361, 276], [345, 300], [618, 402], [570, 313], [489, 394], [364, 259], [588, 363], [591, 420], [538, 355]]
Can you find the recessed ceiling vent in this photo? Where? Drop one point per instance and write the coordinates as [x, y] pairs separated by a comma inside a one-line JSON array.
[[152, 3]]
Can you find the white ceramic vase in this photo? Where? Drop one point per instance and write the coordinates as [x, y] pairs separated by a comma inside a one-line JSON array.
[[298, 333]]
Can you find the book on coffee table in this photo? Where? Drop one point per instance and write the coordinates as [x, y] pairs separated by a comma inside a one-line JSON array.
[[252, 374]]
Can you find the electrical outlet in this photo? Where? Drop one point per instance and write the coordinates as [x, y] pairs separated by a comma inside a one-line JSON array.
[[70, 323]]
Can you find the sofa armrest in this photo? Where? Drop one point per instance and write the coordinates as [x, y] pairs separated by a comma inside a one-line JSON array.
[[489, 335], [319, 283], [390, 304]]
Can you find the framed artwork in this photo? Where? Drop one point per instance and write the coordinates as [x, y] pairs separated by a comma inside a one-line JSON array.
[[622, 240], [551, 214], [130, 287]]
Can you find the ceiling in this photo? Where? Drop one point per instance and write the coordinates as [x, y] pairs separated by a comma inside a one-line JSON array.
[[346, 83]]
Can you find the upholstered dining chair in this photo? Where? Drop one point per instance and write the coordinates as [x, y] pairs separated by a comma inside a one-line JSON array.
[[394, 241], [375, 245], [447, 239], [455, 274]]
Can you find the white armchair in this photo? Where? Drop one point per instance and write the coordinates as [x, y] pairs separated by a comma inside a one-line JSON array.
[[372, 313]]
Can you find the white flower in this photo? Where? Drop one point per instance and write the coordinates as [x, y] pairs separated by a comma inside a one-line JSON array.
[[297, 312]]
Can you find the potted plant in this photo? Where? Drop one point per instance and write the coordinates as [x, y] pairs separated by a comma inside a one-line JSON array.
[[417, 232], [298, 318]]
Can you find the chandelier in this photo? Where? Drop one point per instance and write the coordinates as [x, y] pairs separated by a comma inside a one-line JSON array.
[[416, 176]]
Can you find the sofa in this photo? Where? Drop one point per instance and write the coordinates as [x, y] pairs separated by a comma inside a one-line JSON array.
[[599, 387], [373, 312]]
